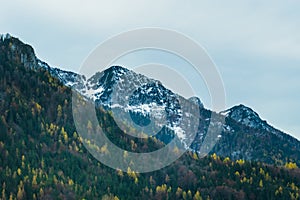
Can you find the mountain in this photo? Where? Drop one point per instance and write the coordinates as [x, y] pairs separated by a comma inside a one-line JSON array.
[[242, 133], [43, 157], [238, 132], [249, 137], [250, 118]]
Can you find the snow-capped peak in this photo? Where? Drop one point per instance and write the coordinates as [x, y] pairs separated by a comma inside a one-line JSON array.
[[246, 116]]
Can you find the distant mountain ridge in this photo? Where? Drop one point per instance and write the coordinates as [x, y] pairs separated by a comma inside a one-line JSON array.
[[243, 134]]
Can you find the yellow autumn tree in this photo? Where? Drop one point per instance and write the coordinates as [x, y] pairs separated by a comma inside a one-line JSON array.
[[240, 162], [195, 156], [197, 196], [64, 134], [21, 191], [261, 183], [178, 192], [34, 182], [291, 165], [59, 111], [226, 160]]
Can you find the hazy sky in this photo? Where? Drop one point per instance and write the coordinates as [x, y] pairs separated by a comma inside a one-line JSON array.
[[254, 44]]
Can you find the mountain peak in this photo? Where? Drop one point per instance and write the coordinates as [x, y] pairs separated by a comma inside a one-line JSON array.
[[116, 68], [17, 51], [5, 36], [112, 73], [197, 101], [245, 109], [245, 115]]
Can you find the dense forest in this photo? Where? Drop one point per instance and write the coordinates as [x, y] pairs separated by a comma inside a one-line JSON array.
[[43, 157]]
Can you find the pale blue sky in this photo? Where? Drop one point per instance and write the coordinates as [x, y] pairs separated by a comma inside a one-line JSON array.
[[254, 44]]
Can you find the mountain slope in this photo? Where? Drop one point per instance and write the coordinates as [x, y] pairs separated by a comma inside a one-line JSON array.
[[241, 134], [251, 138], [42, 156], [238, 132]]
